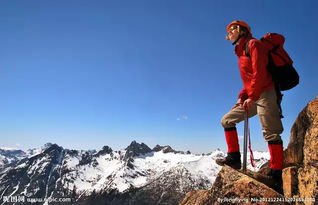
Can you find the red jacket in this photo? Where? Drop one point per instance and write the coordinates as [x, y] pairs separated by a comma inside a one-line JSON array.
[[256, 78]]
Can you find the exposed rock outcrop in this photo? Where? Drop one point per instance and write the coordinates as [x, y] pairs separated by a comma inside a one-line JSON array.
[[300, 176], [104, 150], [232, 187], [168, 149], [135, 149]]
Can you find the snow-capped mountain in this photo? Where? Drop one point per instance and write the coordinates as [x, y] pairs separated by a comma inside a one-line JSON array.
[[136, 175], [10, 156]]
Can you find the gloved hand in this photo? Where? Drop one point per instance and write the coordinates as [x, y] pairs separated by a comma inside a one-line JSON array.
[[248, 103]]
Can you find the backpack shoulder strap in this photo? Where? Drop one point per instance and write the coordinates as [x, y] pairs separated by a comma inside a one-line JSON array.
[[247, 51]]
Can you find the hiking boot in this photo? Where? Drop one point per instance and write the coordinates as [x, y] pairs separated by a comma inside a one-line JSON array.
[[272, 178], [277, 179], [233, 159]]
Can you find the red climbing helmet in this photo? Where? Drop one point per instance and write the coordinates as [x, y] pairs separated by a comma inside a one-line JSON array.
[[240, 23]]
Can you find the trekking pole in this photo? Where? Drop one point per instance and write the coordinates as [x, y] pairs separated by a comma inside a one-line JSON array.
[[245, 141]]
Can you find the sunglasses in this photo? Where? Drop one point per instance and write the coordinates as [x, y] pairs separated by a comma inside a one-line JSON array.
[[233, 27], [230, 30]]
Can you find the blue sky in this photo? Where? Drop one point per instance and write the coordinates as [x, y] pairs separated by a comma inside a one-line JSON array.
[[84, 74]]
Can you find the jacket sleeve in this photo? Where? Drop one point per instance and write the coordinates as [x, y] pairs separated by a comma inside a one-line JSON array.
[[259, 58]]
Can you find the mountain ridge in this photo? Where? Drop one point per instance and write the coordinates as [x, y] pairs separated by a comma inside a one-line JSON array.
[[91, 177]]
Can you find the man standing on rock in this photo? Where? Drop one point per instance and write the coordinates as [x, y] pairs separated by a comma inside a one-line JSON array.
[[258, 97]]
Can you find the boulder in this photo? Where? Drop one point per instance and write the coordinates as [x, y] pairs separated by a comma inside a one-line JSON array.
[[233, 187]]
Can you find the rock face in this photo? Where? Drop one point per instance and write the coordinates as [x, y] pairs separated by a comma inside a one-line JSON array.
[[232, 187], [135, 149], [300, 175]]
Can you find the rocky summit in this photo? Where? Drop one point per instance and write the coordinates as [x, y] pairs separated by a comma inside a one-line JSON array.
[[300, 173], [232, 187]]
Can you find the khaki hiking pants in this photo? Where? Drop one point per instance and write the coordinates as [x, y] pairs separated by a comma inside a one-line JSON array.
[[267, 109]]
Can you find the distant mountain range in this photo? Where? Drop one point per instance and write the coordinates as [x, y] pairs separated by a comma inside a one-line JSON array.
[[135, 175]]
